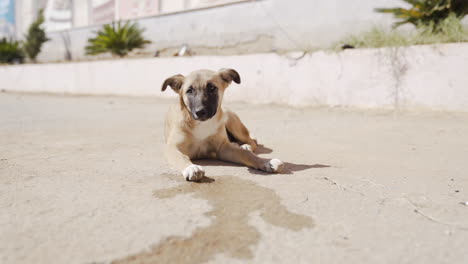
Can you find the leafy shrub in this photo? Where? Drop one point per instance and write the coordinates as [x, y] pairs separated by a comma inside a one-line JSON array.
[[376, 37], [117, 39], [35, 37], [449, 30], [11, 51], [428, 12]]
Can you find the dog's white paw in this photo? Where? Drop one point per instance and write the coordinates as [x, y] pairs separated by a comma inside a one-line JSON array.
[[193, 173], [246, 147], [274, 165]]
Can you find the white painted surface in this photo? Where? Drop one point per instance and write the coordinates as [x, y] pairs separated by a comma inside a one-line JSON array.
[[248, 27], [414, 77]]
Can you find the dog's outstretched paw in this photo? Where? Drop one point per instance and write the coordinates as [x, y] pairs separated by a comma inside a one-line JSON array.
[[246, 147], [274, 165], [193, 173]]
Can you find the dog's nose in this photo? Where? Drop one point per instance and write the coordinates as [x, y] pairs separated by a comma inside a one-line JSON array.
[[201, 113]]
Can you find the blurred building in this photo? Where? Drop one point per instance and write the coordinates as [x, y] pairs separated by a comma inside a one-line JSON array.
[[7, 17], [206, 26], [16, 15]]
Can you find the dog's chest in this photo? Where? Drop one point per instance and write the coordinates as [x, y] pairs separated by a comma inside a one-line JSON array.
[[206, 129]]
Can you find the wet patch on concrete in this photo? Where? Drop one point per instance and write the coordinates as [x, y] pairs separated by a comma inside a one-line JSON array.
[[233, 199]]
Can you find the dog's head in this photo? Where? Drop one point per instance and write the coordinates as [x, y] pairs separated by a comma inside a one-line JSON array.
[[202, 91]]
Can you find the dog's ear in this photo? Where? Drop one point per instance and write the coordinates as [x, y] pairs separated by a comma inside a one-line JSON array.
[[175, 82], [229, 75]]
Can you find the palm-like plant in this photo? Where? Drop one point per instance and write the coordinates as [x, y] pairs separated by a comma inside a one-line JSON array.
[[11, 51], [427, 12], [36, 37], [117, 39]]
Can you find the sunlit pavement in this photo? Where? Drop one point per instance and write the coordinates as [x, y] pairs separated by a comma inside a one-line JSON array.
[[83, 180]]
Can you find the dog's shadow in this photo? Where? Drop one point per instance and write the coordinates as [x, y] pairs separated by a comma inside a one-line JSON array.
[[261, 149], [289, 168]]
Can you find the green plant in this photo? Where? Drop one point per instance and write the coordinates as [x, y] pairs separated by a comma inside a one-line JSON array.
[[428, 12], [117, 39], [11, 51], [35, 37], [376, 37], [449, 30]]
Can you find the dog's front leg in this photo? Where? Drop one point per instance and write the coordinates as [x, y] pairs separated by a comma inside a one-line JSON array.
[[182, 162], [233, 153], [235, 126]]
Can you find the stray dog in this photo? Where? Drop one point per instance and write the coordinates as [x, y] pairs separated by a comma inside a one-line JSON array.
[[198, 127]]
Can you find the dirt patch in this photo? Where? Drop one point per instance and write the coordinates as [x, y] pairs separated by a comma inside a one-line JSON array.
[[233, 200]]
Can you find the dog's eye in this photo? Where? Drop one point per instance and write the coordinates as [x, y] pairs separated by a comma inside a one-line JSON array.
[[211, 87], [190, 90]]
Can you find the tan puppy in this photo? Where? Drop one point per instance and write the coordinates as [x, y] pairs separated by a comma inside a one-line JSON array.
[[197, 126]]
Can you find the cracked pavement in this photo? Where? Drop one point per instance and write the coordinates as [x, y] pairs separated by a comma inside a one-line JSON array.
[[83, 180]]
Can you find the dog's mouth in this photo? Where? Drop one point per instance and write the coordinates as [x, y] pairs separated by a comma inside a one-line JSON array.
[[203, 115]]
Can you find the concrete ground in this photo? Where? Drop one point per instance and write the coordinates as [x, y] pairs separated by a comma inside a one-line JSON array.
[[83, 180]]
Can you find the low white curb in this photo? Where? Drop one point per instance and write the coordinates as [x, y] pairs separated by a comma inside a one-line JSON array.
[[433, 77]]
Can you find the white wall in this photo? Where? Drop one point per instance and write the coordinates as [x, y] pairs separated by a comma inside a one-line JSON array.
[[255, 26], [174, 5], [80, 13], [409, 78], [25, 14]]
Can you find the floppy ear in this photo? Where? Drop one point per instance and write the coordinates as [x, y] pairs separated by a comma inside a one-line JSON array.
[[229, 75], [175, 82]]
